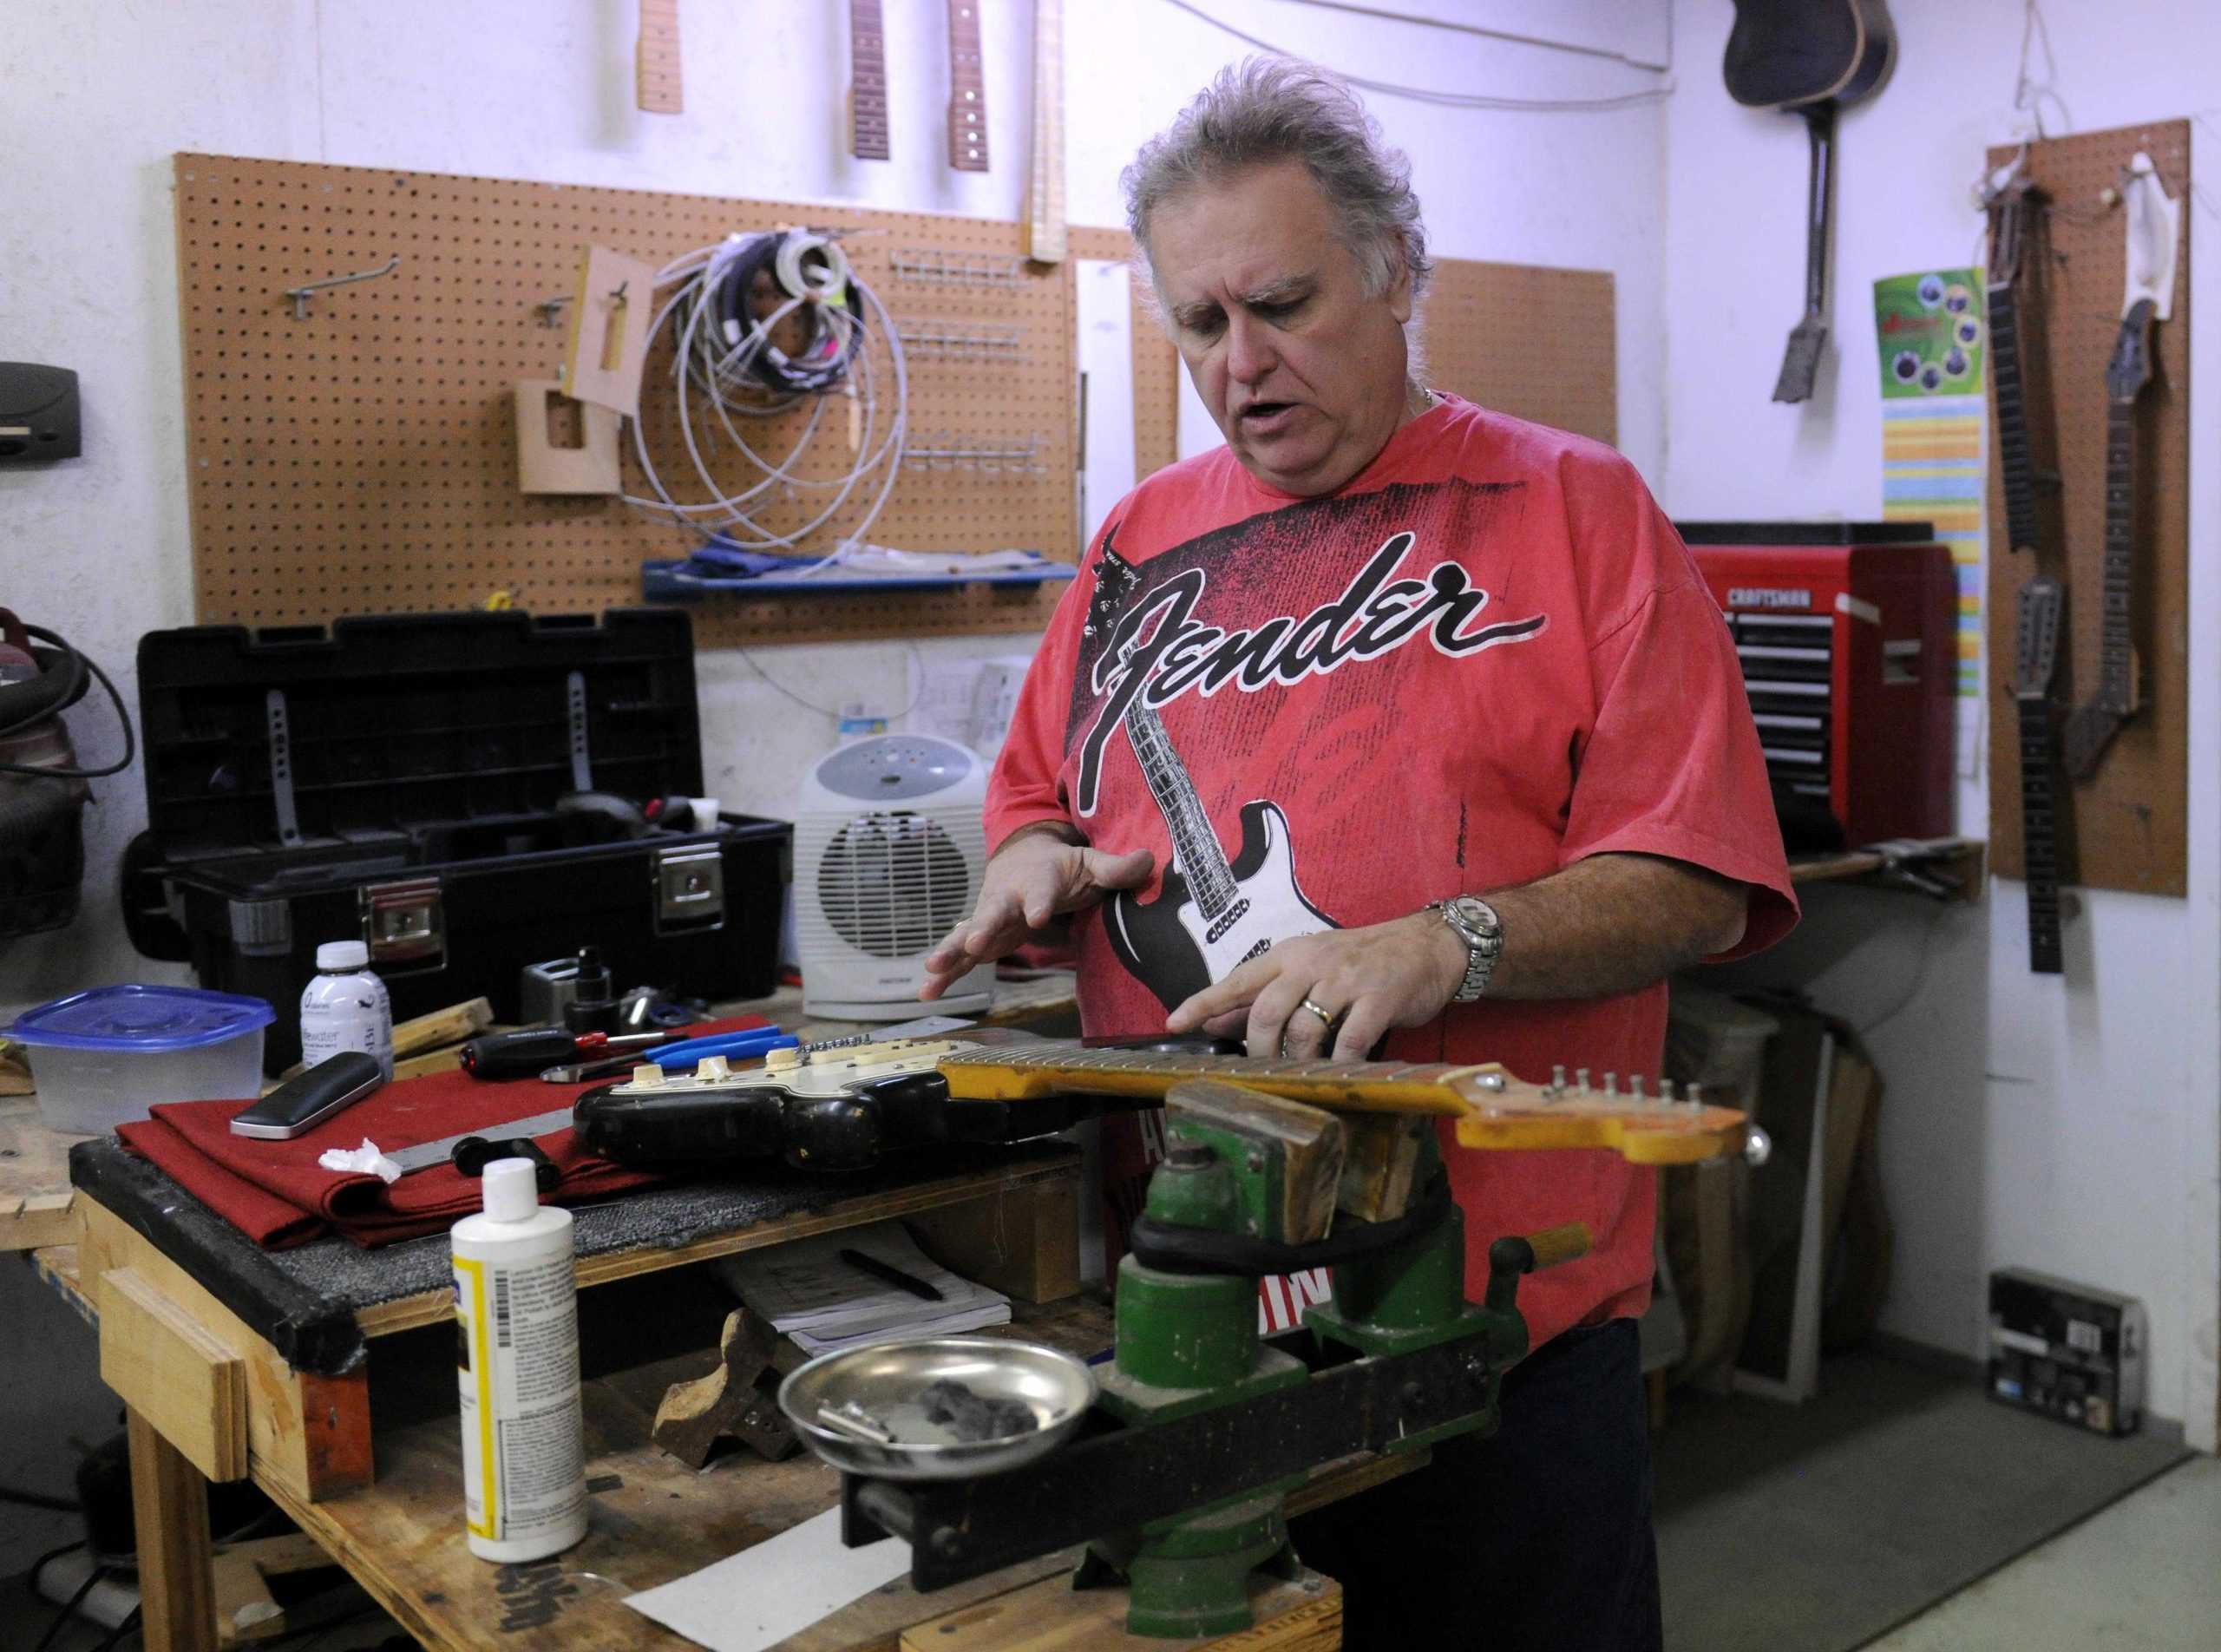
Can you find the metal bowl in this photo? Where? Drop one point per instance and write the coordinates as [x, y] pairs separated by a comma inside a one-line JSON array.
[[859, 1408]]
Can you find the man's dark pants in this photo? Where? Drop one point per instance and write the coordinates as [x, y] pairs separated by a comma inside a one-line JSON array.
[[1539, 1536]]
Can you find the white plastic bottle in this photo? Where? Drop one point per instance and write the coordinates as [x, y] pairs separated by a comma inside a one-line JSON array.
[[524, 1485], [345, 1007]]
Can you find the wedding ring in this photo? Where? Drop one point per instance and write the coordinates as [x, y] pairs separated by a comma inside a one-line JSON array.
[[1321, 1013]]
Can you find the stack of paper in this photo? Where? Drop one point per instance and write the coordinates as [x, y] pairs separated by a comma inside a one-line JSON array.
[[808, 1293]]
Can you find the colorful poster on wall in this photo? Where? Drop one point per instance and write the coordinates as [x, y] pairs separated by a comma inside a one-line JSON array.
[[1932, 330]]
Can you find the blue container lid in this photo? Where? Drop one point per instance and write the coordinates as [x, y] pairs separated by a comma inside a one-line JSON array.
[[149, 1019]]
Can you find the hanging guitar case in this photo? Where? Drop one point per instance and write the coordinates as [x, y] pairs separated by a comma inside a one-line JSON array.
[[1810, 57]]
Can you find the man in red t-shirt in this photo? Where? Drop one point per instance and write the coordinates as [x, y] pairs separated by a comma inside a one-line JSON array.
[[1395, 721]]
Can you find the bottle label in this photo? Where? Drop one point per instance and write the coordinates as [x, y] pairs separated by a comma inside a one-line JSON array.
[[517, 1360]]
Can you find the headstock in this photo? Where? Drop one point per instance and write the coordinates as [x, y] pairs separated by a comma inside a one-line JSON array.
[[2036, 638], [1643, 1126], [2129, 369], [2010, 211]]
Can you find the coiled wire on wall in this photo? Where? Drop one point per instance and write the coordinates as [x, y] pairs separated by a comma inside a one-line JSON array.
[[727, 369]]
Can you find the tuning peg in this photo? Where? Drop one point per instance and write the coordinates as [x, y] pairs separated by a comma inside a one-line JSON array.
[[1666, 1091], [1557, 1080], [1634, 1085], [1611, 1084], [1580, 1078], [1757, 1147]]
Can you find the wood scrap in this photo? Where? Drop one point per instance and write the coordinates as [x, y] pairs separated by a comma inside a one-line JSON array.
[[730, 1399]]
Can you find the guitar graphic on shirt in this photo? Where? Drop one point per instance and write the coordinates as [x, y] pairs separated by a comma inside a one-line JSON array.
[[1210, 915]]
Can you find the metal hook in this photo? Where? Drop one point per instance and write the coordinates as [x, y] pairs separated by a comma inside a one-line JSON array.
[[300, 295]]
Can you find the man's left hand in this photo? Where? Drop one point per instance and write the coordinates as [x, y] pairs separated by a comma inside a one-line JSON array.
[[1362, 981]]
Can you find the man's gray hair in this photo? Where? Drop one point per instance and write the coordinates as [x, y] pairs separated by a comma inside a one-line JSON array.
[[1265, 109]]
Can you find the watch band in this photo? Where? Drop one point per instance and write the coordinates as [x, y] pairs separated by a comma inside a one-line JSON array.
[[1475, 924]]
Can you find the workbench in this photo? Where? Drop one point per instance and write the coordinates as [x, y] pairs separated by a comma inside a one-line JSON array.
[[337, 1401]]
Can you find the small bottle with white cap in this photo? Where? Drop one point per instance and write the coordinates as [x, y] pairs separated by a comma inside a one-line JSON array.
[[345, 1007], [516, 1304]]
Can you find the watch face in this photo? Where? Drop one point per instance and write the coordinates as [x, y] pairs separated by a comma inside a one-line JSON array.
[[1477, 911]]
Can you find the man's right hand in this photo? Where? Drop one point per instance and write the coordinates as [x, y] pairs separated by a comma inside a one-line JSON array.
[[1038, 874]]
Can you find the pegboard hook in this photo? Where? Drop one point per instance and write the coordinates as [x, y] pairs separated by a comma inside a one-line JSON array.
[[301, 295]]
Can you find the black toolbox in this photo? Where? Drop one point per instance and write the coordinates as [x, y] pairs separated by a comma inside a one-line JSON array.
[[396, 780]]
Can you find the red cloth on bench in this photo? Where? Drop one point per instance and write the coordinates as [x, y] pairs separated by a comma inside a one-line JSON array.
[[278, 1195]]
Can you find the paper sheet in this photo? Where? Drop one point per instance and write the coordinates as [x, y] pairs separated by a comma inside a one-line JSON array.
[[759, 1597]]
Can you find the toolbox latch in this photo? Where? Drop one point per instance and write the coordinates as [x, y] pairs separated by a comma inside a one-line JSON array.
[[402, 923], [690, 887]]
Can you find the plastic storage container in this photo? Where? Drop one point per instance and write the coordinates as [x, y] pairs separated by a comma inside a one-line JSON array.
[[102, 1058]]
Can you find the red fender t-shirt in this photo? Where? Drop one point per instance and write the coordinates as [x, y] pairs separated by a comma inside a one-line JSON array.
[[1486, 657]]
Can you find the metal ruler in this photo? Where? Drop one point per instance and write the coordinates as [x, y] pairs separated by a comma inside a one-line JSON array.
[[424, 1155]]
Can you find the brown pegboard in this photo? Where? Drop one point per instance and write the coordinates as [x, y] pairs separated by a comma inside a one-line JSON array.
[[2128, 825], [363, 459], [1535, 343]]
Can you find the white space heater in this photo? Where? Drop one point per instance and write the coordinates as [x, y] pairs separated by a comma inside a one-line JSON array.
[[889, 851]]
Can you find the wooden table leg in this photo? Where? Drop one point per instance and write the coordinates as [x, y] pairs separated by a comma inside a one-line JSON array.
[[169, 1509]]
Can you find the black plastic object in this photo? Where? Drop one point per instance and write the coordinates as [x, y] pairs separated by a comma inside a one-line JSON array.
[[38, 413], [395, 779], [593, 1007], [305, 1101], [473, 1153]]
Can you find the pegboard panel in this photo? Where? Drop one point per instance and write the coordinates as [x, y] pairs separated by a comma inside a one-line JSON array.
[[363, 459], [2128, 825], [1534, 343], [1537, 344]]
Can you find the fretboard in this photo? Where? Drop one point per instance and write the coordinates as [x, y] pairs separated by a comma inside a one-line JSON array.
[[2116, 688], [658, 86], [967, 89], [1203, 862], [2039, 833], [1002, 1073], [866, 81], [2015, 459]]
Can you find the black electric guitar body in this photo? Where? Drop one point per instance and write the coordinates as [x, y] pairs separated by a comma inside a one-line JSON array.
[[1810, 57], [1785, 54]]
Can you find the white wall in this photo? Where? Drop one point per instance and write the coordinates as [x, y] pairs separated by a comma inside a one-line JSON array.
[[2064, 1123], [94, 102]]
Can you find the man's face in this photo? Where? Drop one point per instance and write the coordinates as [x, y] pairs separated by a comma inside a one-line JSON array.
[[1303, 371]]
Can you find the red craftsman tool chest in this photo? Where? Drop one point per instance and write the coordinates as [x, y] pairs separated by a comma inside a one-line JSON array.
[[1850, 656]]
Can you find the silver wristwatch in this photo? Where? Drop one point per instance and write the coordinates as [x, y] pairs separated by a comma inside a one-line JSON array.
[[1482, 931]]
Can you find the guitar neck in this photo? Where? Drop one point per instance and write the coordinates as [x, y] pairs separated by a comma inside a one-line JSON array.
[[1203, 862], [967, 89], [1491, 1110], [868, 81], [2016, 459], [1046, 239], [2116, 685], [2038, 832], [658, 86]]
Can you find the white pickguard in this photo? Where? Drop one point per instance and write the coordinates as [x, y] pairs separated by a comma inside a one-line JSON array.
[[1270, 908]]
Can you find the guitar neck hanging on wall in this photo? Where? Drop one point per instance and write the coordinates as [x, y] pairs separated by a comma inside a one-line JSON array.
[[2041, 603], [2095, 722], [658, 84], [1810, 57], [866, 81], [2025, 445], [967, 89]]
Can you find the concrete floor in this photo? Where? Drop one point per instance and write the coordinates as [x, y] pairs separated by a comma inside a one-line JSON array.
[[2142, 1576]]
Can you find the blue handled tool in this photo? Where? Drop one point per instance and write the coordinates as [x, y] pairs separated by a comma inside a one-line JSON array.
[[685, 1054]]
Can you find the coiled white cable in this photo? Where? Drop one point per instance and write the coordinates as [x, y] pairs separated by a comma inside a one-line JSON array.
[[714, 370]]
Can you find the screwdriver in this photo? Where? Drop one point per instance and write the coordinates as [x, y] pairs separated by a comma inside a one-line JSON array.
[[525, 1053]]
